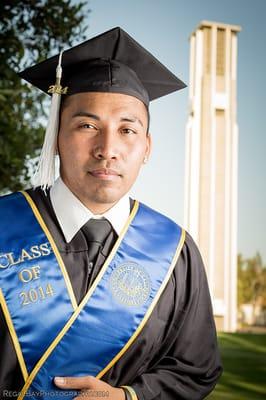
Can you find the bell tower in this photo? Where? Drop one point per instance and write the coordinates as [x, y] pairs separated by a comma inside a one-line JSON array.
[[212, 162]]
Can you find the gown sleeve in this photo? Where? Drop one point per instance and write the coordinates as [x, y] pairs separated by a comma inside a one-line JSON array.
[[188, 364], [10, 374]]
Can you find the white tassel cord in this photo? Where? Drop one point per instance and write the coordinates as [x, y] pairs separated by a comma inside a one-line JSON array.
[[45, 172]]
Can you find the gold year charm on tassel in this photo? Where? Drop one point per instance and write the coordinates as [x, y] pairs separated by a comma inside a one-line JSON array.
[[57, 89]]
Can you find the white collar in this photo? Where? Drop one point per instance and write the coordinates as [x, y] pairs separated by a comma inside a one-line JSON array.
[[72, 214]]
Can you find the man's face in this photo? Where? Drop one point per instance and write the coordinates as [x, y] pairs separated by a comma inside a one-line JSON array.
[[102, 143]]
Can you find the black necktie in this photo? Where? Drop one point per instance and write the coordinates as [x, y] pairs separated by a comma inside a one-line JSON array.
[[96, 232]]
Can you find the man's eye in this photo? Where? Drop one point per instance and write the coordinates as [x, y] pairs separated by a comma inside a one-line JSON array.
[[87, 126], [129, 131]]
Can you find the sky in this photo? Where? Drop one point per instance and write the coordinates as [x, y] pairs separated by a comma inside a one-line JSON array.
[[163, 27]]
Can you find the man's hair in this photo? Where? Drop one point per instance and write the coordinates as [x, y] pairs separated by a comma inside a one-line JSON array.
[[149, 120]]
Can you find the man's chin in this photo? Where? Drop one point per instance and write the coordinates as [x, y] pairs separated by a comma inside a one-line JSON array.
[[106, 196]]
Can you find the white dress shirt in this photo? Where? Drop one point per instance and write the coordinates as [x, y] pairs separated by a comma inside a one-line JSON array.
[[72, 214]]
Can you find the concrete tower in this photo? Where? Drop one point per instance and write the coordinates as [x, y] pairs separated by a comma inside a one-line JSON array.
[[211, 162]]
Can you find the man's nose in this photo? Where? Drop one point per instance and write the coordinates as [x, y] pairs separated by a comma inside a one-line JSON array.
[[107, 146]]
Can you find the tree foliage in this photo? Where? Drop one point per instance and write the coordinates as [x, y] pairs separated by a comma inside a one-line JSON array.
[[251, 281], [30, 31]]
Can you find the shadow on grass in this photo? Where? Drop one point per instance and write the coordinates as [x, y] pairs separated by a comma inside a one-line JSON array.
[[244, 362]]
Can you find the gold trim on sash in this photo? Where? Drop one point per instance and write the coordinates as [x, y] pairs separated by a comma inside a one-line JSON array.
[[80, 306], [150, 309], [54, 247], [14, 337]]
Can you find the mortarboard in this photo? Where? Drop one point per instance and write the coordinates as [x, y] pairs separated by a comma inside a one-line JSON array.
[[111, 62]]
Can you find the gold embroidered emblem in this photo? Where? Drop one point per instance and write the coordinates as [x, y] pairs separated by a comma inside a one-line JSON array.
[[130, 284]]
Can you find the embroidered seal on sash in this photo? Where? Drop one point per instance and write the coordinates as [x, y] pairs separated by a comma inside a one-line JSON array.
[[130, 284]]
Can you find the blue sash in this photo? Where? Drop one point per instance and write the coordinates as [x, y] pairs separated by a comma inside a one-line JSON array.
[[95, 335], [35, 299]]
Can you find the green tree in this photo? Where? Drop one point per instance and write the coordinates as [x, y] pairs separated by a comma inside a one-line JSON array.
[[30, 31], [251, 280]]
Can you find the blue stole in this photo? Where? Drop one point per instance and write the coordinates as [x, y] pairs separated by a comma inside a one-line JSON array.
[[52, 335]]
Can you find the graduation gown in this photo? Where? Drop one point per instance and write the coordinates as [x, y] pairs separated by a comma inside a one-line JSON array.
[[175, 357]]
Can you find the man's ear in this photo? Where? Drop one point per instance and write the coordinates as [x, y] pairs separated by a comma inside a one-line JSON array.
[[148, 147]]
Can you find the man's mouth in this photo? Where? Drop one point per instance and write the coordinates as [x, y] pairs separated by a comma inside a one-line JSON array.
[[105, 174]]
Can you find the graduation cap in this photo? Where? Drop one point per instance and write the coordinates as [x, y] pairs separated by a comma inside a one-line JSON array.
[[111, 62]]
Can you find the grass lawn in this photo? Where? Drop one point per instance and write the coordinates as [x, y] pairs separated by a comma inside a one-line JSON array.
[[244, 362]]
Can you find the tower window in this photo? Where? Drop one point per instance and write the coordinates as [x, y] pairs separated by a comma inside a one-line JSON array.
[[207, 48], [220, 55]]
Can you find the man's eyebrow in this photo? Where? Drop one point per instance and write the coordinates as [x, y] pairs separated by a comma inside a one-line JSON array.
[[131, 119], [94, 116], [85, 114]]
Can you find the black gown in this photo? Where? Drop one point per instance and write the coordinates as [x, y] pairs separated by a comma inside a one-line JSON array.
[[175, 357]]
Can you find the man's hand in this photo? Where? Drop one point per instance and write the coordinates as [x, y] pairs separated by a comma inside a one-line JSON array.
[[90, 388]]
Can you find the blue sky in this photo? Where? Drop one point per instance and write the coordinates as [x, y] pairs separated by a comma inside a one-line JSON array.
[[163, 27]]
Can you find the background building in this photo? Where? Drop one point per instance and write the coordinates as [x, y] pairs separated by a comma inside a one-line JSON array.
[[211, 162]]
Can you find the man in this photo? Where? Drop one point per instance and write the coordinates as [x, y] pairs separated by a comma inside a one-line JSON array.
[[101, 296]]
